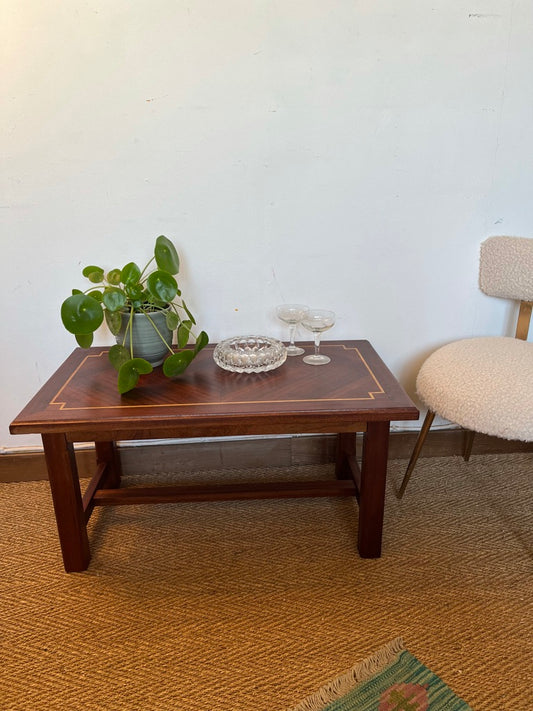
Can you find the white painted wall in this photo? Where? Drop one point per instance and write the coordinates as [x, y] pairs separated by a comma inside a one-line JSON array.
[[350, 154]]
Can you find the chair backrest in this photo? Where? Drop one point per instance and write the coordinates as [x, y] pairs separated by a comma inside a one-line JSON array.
[[506, 271]]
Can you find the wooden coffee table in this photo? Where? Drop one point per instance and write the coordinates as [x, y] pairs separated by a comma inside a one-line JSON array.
[[80, 403]]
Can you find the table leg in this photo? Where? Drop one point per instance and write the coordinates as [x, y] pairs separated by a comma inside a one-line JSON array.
[[372, 490], [106, 453], [66, 495], [346, 448]]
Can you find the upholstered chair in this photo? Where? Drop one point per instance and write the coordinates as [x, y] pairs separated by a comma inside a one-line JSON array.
[[485, 384]]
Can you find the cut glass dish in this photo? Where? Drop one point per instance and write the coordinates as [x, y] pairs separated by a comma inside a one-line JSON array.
[[250, 354]]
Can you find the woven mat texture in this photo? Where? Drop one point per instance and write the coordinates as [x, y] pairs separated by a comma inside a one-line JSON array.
[[252, 606]]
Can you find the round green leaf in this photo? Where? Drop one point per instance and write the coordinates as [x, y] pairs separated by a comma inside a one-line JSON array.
[[113, 320], [175, 364], [85, 341], [81, 314], [162, 286], [114, 298], [94, 274], [128, 378], [183, 334], [130, 274], [201, 341], [118, 355], [113, 277], [166, 255], [142, 366], [128, 375], [189, 314], [95, 294], [173, 320], [135, 292]]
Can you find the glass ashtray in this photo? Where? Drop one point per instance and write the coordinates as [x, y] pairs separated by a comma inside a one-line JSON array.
[[250, 354]]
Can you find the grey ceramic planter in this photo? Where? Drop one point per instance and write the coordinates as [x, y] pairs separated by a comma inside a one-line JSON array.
[[147, 343]]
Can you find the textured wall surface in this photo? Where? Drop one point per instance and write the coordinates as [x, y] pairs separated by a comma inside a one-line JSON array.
[[349, 155]]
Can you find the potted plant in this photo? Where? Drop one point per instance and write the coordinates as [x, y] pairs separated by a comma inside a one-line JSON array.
[[121, 297]]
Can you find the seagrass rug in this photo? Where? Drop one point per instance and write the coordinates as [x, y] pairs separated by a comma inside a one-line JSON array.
[[254, 605], [392, 679]]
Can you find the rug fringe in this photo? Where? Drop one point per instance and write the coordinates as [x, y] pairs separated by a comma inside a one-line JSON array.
[[360, 672]]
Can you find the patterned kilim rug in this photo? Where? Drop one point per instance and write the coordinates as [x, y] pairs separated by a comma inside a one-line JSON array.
[[390, 680]]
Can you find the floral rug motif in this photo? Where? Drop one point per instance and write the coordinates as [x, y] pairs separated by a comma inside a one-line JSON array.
[[392, 679]]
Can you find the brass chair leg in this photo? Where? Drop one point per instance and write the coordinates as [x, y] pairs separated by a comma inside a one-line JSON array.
[[416, 451], [469, 441]]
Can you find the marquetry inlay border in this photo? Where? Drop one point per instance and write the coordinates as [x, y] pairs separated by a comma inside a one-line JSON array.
[[63, 405]]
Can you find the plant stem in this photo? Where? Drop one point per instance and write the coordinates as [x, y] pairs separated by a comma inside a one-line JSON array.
[[129, 327], [158, 332], [145, 268]]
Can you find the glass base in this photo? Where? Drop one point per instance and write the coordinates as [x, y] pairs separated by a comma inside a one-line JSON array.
[[316, 359], [294, 350]]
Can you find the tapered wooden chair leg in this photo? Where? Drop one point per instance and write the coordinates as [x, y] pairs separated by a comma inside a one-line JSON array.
[[416, 451], [469, 441]]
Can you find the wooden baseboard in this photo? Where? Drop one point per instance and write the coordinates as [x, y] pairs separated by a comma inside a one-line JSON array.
[[248, 453]]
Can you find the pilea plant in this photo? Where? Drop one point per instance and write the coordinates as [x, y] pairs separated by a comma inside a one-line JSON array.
[[117, 295]]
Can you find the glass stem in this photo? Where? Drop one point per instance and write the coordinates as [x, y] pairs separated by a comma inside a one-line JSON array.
[[317, 342], [292, 329]]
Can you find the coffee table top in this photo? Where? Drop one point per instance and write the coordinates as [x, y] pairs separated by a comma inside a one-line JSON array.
[[81, 398]]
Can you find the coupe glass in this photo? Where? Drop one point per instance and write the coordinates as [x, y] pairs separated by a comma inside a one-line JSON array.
[[293, 315], [318, 321]]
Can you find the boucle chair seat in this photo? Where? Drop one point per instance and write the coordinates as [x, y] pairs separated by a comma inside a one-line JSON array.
[[482, 384], [485, 384]]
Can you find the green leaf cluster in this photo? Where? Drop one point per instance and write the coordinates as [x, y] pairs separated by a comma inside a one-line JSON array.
[[134, 290]]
